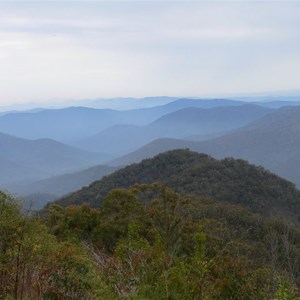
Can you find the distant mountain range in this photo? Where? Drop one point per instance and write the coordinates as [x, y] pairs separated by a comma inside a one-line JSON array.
[[118, 103], [123, 103], [72, 124], [128, 103], [40, 149], [272, 141], [205, 123]]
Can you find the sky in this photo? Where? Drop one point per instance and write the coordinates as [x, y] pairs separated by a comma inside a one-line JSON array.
[[52, 51]]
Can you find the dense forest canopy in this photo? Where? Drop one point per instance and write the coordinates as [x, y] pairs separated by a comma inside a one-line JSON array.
[[182, 225], [230, 180], [147, 242]]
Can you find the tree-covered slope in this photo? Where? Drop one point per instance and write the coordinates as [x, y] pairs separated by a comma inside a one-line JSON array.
[[147, 242], [230, 180], [152, 243]]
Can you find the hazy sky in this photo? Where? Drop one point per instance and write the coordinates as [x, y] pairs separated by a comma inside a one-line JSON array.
[[72, 50]]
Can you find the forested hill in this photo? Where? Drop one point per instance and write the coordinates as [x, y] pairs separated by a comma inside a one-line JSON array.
[[230, 180]]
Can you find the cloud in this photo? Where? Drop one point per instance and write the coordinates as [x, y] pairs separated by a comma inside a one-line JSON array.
[[81, 50]]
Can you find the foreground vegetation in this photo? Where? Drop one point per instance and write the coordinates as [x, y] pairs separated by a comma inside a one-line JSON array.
[[147, 242]]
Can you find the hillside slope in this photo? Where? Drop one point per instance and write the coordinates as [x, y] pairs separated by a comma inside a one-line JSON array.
[[22, 159], [187, 172], [60, 185]]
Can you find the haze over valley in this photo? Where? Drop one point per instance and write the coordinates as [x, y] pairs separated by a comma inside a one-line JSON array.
[[42, 148]]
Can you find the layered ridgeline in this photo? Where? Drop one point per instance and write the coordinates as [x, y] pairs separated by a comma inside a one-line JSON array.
[[273, 141], [183, 123], [25, 160], [229, 180], [74, 123]]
